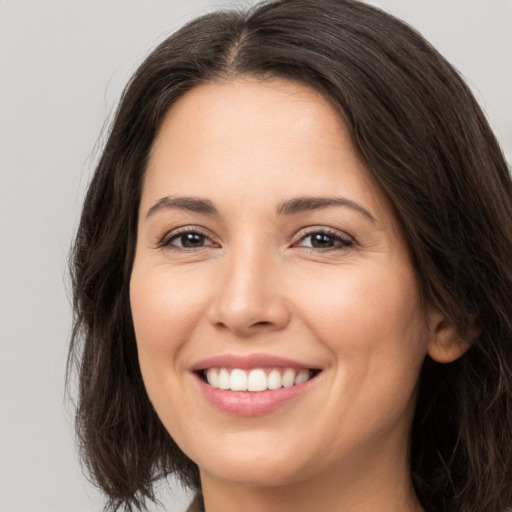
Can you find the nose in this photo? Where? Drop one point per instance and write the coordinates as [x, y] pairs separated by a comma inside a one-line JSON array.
[[249, 298]]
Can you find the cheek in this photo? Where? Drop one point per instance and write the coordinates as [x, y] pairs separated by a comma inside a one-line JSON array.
[[372, 322], [166, 306], [367, 301], [373, 325], [161, 302]]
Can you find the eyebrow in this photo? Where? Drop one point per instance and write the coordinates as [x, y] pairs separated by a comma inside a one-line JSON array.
[[192, 204], [288, 207], [302, 204]]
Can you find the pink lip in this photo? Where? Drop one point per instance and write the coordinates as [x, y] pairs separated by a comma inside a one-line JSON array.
[[250, 361], [246, 403]]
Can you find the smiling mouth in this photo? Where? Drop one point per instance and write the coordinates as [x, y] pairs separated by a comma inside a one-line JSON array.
[[256, 379]]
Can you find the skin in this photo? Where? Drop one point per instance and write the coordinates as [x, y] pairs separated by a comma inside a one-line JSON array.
[[254, 283]]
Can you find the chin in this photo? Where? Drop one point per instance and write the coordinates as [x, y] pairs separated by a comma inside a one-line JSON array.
[[255, 464], [254, 473]]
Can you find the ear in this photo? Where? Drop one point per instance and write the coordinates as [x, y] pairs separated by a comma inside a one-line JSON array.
[[445, 344]]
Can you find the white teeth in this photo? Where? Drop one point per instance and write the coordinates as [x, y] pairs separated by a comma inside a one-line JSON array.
[[288, 378], [212, 376], [238, 380], [301, 377], [255, 380], [274, 379], [224, 379]]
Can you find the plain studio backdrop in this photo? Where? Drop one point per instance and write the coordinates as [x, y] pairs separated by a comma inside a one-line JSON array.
[[63, 64]]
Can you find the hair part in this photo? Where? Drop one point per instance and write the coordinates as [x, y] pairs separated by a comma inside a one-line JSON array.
[[427, 143]]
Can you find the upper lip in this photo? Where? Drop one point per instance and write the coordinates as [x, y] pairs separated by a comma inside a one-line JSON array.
[[249, 361]]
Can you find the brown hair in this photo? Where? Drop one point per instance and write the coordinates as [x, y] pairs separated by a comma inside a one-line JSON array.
[[425, 140]]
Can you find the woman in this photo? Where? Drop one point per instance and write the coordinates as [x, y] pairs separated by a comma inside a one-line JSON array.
[[292, 274]]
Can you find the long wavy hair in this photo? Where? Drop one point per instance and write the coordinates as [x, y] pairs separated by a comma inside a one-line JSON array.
[[427, 143]]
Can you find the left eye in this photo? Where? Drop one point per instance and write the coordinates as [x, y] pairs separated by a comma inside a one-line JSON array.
[[322, 240]]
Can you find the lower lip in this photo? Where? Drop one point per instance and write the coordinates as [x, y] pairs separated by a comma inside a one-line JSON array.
[[247, 403]]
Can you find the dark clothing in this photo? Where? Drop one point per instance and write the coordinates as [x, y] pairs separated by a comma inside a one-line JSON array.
[[197, 504]]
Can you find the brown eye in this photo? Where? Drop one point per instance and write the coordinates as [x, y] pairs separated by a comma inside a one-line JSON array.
[[188, 240], [324, 240]]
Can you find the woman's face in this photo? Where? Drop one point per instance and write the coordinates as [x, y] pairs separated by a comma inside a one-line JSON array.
[[265, 253]]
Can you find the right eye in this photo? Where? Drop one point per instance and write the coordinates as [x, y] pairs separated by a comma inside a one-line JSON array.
[[187, 239]]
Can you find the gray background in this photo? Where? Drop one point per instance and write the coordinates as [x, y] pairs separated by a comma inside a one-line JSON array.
[[62, 67]]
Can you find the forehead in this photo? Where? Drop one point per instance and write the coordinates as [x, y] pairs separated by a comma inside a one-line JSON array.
[[245, 137], [250, 114]]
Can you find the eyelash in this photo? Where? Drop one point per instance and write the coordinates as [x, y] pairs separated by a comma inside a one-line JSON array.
[[166, 242], [340, 241]]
